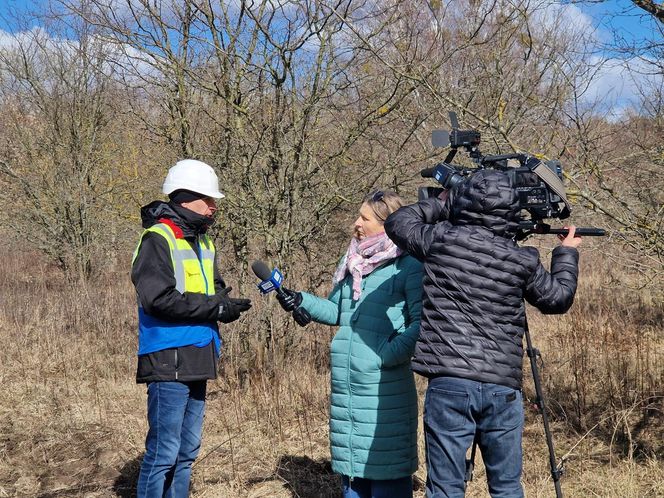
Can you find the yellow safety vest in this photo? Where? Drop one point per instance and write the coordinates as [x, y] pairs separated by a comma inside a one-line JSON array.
[[192, 274]]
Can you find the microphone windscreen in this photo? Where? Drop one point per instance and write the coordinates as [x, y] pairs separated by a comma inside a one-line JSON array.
[[261, 270], [427, 172]]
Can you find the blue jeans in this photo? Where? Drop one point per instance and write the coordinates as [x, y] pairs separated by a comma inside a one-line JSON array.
[[175, 416], [369, 488], [454, 410]]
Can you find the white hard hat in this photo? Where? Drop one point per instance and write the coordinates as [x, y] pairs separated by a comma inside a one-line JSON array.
[[192, 175]]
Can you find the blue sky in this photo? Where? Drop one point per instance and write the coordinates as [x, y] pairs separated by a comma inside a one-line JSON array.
[[6, 23], [622, 14], [615, 21], [621, 18]]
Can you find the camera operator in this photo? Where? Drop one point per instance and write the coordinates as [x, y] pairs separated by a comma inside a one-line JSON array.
[[473, 316]]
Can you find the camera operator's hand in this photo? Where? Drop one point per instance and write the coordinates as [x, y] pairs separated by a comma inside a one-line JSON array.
[[231, 308], [301, 316], [288, 299], [570, 240]]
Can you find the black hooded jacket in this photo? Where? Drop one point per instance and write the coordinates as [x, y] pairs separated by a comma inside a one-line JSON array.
[[154, 278], [476, 279]]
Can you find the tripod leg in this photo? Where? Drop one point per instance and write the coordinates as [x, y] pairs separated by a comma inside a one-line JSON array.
[[556, 471], [470, 464]]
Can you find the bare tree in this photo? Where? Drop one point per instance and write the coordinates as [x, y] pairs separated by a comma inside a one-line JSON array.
[[303, 107], [57, 143], [282, 101]]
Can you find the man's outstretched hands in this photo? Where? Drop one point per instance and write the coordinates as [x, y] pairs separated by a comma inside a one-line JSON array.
[[230, 308]]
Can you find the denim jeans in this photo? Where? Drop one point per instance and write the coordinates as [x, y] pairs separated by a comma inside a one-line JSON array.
[[369, 488], [175, 417], [454, 410]]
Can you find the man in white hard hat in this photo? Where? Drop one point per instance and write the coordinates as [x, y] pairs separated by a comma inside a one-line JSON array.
[[181, 297]]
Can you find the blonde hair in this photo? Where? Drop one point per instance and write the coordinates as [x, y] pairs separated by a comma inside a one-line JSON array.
[[383, 203]]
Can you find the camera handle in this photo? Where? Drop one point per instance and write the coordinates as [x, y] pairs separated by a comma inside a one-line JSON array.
[[527, 228], [556, 470]]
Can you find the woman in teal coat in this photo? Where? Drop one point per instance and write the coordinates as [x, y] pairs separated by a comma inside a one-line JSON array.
[[376, 303]]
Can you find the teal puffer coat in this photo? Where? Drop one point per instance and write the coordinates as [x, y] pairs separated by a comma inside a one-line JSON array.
[[373, 402]]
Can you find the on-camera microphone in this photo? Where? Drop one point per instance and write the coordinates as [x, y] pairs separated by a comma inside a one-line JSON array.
[[427, 172]]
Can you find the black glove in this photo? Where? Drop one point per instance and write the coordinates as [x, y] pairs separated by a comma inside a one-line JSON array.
[[301, 316], [231, 308], [288, 299]]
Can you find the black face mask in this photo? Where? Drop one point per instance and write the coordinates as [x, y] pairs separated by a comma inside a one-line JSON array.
[[194, 223]]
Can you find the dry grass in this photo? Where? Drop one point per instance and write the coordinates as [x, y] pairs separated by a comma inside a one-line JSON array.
[[72, 420]]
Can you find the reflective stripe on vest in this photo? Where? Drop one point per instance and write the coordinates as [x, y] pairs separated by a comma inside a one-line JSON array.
[[192, 275]]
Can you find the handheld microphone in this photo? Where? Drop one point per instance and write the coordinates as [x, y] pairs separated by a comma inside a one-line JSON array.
[[270, 280]]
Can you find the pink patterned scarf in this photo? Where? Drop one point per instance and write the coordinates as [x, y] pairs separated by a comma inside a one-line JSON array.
[[362, 257]]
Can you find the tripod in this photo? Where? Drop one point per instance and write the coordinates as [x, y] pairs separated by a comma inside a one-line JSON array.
[[556, 470]]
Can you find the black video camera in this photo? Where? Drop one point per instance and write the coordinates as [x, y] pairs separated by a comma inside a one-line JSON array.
[[539, 184]]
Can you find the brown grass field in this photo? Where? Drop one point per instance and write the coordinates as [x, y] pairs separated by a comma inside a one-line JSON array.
[[72, 420]]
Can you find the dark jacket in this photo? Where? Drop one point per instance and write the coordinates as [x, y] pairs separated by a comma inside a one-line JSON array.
[[476, 279], [153, 276]]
